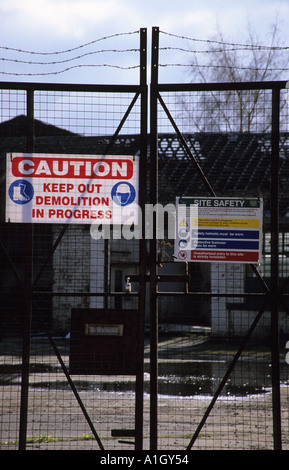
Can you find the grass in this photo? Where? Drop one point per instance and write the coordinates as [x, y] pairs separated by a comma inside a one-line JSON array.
[[48, 438]]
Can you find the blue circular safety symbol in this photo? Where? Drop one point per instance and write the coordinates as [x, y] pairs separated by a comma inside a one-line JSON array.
[[183, 243], [21, 192], [123, 193]]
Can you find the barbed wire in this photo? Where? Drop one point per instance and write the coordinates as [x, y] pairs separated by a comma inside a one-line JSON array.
[[224, 47], [207, 51], [67, 60], [19, 61], [215, 47], [66, 51], [70, 68], [275, 69], [225, 43], [55, 62]]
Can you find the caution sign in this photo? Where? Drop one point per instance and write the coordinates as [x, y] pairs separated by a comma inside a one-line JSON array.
[[50, 188], [220, 230]]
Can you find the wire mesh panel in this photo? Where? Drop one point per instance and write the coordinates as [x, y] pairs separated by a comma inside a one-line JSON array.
[[69, 268], [215, 330], [82, 366]]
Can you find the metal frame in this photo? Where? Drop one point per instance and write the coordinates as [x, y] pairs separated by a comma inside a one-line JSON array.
[[272, 294], [30, 284]]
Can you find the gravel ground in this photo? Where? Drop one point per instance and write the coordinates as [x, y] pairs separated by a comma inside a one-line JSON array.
[[58, 424], [55, 420]]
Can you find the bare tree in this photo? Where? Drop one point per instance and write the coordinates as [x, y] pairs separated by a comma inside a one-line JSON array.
[[223, 61]]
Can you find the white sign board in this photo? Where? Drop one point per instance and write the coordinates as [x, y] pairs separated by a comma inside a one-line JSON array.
[[77, 189], [219, 230]]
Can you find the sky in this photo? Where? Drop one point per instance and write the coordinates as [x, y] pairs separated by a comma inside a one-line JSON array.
[[45, 26]]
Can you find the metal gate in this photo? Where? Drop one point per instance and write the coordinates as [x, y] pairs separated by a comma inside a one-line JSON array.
[[182, 355], [52, 273], [246, 303]]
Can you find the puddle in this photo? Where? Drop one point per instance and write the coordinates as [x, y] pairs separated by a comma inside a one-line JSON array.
[[181, 379], [169, 386], [192, 386]]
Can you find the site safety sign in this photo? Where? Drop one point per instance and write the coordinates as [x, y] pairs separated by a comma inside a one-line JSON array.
[[219, 230], [78, 189]]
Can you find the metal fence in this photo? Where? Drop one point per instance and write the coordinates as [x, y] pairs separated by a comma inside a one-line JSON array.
[[201, 362], [222, 149]]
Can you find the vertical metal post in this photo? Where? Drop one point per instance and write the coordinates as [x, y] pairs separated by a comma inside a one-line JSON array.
[[275, 270], [27, 311], [142, 245], [153, 244]]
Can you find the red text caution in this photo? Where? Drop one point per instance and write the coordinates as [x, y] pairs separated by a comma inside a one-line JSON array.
[[59, 167]]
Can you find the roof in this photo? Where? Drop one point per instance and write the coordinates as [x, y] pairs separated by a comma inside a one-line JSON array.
[[17, 127], [234, 164]]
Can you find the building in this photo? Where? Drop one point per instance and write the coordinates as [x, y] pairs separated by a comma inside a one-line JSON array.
[[236, 165]]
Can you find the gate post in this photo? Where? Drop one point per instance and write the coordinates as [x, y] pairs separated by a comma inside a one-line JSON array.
[[153, 243], [27, 313], [277, 439], [142, 245]]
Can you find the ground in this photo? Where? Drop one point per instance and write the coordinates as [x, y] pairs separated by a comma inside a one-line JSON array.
[[241, 418]]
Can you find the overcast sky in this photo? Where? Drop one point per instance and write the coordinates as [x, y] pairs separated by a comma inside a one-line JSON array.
[[58, 25]]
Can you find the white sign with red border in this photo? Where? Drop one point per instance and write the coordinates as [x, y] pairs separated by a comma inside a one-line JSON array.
[[77, 189]]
